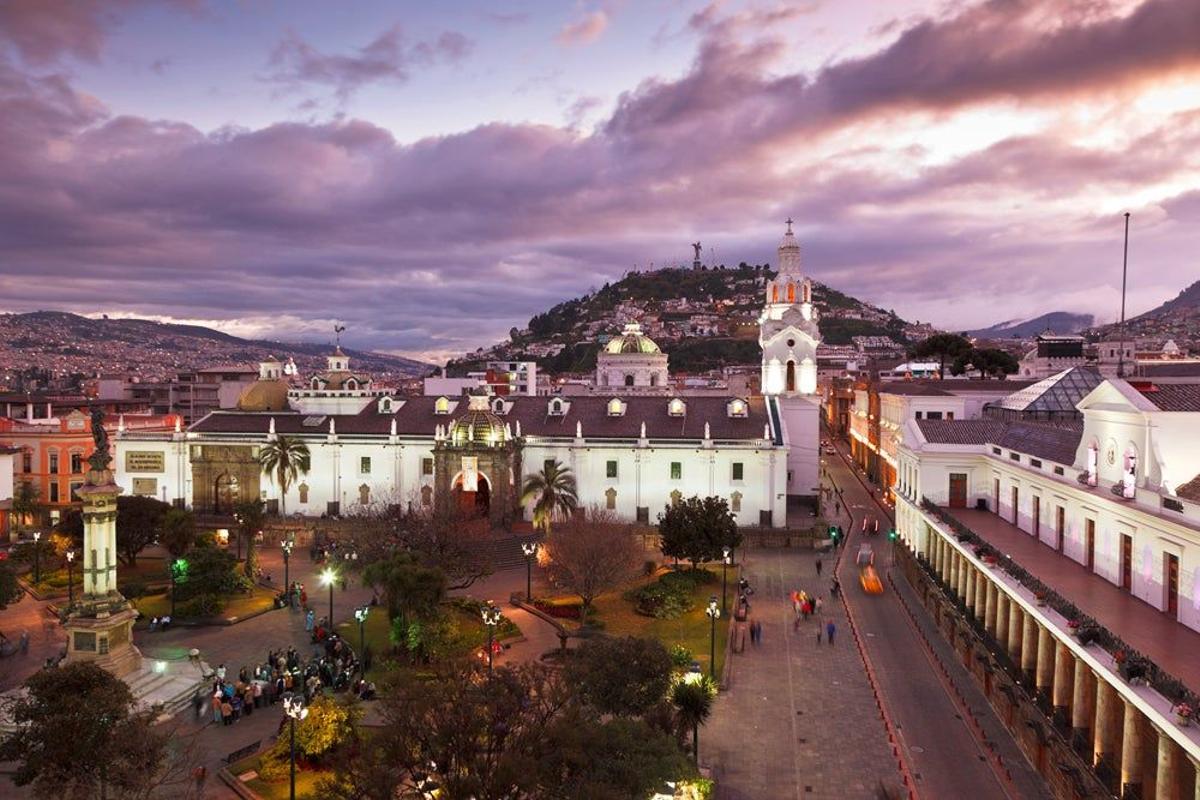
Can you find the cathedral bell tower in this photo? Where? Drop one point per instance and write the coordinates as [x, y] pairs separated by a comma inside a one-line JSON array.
[[788, 331], [788, 335]]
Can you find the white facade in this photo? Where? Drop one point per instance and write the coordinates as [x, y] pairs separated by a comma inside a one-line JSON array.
[[1120, 481], [632, 363]]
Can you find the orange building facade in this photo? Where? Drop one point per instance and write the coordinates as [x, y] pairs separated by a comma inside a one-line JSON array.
[[51, 455]]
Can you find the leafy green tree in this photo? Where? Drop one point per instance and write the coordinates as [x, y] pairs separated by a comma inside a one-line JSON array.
[[26, 504], [987, 361], [410, 589], [693, 701], [139, 524], [625, 676], [553, 492], [211, 570], [70, 524], [329, 725], [942, 346], [178, 532], [698, 529], [78, 736], [10, 588], [283, 460]]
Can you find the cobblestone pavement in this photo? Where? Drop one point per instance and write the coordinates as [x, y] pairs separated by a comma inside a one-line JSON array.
[[798, 719]]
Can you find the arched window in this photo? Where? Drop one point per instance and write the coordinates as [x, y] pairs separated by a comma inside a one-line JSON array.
[[610, 499], [676, 408], [364, 495], [791, 293], [303, 490], [629, 380], [351, 384], [654, 379], [426, 495], [807, 292], [385, 405], [774, 293], [316, 383], [616, 408], [735, 502], [441, 405]]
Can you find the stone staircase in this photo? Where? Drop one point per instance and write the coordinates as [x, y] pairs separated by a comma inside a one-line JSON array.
[[505, 552], [168, 685]]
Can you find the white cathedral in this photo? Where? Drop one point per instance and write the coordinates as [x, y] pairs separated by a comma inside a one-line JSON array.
[[631, 449]]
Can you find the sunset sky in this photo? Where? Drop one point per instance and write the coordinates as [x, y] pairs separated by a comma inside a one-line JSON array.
[[431, 174]]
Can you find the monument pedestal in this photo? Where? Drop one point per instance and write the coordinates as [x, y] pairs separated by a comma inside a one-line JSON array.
[[105, 637]]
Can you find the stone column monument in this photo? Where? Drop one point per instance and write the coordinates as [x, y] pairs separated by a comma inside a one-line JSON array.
[[100, 625]]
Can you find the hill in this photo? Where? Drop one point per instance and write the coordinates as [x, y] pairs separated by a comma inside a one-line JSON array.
[[56, 343], [1178, 319], [703, 318], [1061, 322]]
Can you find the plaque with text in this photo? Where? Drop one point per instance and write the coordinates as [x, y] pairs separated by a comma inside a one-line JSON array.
[[145, 461], [145, 486]]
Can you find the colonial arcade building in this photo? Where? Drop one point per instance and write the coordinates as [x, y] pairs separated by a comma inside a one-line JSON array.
[[632, 446]]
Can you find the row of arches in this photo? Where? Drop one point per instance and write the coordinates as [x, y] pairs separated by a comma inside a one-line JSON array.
[[789, 293]]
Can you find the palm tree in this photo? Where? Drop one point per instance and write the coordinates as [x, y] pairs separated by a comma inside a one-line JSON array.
[[283, 460], [693, 702], [554, 491]]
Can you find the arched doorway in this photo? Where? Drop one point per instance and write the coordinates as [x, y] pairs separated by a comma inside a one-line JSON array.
[[476, 503], [225, 493], [791, 375]]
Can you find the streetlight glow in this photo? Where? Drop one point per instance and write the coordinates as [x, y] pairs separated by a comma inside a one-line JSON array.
[[714, 613], [293, 707], [530, 550], [491, 618]]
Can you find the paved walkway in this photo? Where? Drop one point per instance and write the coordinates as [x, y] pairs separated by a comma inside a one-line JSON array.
[[1168, 643], [799, 719], [46, 639]]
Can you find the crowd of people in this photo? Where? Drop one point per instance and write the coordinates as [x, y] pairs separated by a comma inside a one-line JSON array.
[[334, 667]]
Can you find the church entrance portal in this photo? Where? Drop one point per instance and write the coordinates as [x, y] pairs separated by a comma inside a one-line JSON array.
[[476, 503], [791, 376], [225, 494]]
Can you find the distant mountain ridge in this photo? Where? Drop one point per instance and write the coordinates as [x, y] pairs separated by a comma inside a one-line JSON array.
[[1177, 318], [61, 343], [1060, 322]]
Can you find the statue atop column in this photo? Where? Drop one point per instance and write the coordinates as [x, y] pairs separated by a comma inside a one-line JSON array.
[[100, 458]]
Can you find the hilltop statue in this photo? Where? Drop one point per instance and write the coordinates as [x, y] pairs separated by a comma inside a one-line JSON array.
[[696, 247], [100, 458]]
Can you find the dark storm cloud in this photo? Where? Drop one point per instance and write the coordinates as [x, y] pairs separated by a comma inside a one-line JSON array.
[[444, 243]]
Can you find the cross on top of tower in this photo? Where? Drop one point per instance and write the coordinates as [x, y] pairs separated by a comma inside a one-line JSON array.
[[789, 224]]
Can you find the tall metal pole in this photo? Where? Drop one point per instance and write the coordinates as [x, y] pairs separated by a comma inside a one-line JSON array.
[[724, 582], [287, 576], [712, 648], [528, 579], [292, 793], [331, 605], [1124, 272]]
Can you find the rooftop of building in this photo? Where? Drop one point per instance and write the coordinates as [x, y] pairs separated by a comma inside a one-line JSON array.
[[1170, 396], [418, 416], [1059, 393], [1055, 442]]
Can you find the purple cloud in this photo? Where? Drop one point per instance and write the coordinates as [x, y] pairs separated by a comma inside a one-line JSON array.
[[295, 62]]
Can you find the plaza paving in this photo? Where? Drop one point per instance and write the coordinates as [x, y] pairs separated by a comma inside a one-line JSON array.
[[799, 719]]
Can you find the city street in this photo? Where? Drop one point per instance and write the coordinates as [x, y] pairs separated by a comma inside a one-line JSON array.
[[947, 757]]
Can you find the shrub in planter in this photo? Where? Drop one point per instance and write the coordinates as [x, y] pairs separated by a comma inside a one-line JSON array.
[[689, 579], [200, 606], [681, 657], [662, 600], [560, 609], [133, 589]]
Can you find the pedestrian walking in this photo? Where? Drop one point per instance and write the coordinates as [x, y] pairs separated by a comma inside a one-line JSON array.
[[758, 632], [220, 672], [226, 712], [818, 566], [216, 706], [309, 620], [830, 630]]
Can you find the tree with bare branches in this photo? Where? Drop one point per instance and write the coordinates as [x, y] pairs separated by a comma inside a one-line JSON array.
[[592, 553]]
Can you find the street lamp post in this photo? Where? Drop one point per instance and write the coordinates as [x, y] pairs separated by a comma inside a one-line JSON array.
[[726, 552], [37, 557], [70, 579], [293, 706], [329, 578], [530, 550], [360, 614], [491, 618], [714, 613], [287, 575]]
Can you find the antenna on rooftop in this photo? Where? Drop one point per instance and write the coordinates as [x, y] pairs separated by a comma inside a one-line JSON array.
[[1124, 271]]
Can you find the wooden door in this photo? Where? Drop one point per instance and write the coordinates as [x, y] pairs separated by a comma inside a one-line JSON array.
[[1036, 511], [996, 495], [1126, 562], [1060, 528], [958, 490], [1016, 506], [1171, 583], [1089, 544]]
